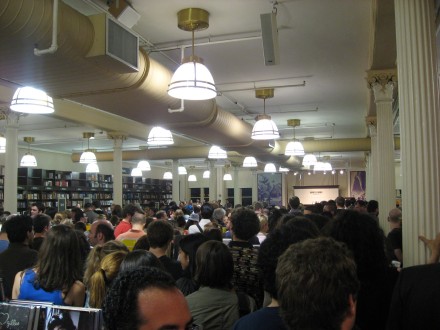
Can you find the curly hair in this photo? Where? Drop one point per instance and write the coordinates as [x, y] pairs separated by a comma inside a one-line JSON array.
[[293, 231], [120, 309], [245, 223]]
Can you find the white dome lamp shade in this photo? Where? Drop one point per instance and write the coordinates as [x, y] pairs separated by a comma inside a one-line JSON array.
[[192, 80], [159, 136], [227, 177], [2, 144], [168, 176], [215, 152], [88, 156], [309, 160], [31, 100], [192, 178], [206, 174], [136, 171], [28, 160], [92, 168], [182, 170], [270, 168], [294, 148], [264, 128], [144, 165], [250, 161]]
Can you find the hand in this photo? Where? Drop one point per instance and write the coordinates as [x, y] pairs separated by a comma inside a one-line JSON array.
[[433, 246]]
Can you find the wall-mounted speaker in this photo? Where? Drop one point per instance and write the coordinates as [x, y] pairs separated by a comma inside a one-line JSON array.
[[269, 34]]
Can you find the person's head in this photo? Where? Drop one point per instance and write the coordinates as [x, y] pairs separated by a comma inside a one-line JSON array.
[[19, 229], [318, 219], [188, 248], [363, 236], [88, 206], [295, 230], [129, 211], [102, 279], [317, 285], [101, 231], [330, 209], [264, 223], [37, 208], [206, 211], [145, 298], [214, 265], [294, 202], [160, 233], [161, 215], [41, 223], [142, 243], [360, 206], [340, 202], [59, 262], [140, 258], [373, 206], [138, 220], [244, 224], [117, 210], [97, 254], [258, 206], [218, 215], [395, 216], [96, 204]]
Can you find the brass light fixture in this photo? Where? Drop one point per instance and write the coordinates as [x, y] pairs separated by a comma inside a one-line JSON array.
[[28, 160], [88, 156], [192, 80], [264, 128]]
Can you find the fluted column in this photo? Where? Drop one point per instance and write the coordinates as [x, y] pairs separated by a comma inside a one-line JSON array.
[[212, 180], [11, 163], [373, 168], [419, 124], [118, 140], [382, 83], [176, 183]]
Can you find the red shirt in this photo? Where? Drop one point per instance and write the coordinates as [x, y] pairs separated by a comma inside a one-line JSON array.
[[122, 227]]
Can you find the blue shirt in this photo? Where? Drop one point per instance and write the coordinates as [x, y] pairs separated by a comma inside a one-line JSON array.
[[29, 292]]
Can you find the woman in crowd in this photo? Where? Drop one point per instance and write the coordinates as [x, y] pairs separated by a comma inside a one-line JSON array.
[[57, 274]]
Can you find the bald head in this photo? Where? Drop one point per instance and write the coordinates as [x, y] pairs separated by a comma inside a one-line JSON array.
[[101, 231], [395, 216]]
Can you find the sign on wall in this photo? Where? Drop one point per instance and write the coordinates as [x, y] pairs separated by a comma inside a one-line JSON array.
[[309, 195]]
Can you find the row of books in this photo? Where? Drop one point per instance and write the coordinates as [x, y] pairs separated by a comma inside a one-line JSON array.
[[31, 315]]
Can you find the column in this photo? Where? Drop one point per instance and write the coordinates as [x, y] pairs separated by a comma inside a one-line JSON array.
[[212, 180], [118, 140], [11, 162], [176, 183], [419, 124], [382, 83], [236, 186], [220, 184], [372, 172]]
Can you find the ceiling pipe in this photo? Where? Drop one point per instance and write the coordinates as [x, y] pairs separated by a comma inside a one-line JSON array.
[[54, 46]]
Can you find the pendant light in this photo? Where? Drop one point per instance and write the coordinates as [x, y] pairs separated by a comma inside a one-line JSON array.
[[168, 175], [144, 165], [283, 169], [309, 160], [92, 168], [270, 168], [294, 148], [192, 80], [88, 156], [136, 171], [2, 144], [264, 128], [227, 176], [206, 174], [31, 100], [215, 152], [250, 161], [182, 170], [28, 160], [159, 136]]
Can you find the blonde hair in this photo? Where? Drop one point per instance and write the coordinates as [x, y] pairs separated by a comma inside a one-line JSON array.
[[102, 278], [97, 254]]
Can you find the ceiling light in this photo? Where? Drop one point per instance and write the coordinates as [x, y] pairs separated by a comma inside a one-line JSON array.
[[88, 156], [264, 128], [270, 168], [159, 136], [2, 144], [341, 172], [206, 174], [227, 177], [192, 80], [31, 100], [309, 160], [192, 178], [333, 172], [182, 170], [294, 148], [168, 176], [250, 162], [92, 168], [216, 152], [283, 169], [144, 165], [28, 160], [136, 172]]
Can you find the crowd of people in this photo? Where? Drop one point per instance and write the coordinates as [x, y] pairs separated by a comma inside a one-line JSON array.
[[209, 266]]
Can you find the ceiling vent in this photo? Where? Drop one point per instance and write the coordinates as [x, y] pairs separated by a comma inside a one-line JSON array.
[[114, 43]]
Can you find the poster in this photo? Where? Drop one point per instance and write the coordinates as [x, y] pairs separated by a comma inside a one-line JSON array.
[[358, 184], [270, 188]]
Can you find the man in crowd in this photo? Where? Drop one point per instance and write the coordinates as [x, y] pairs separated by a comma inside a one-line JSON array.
[[130, 237], [125, 224], [206, 211], [101, 231], [394, 238], [37, 208], [41, 224], [295, 204], [90, 214], [317, 285]]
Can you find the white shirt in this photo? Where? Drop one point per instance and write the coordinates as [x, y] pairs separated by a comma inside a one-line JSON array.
[[194, 229]]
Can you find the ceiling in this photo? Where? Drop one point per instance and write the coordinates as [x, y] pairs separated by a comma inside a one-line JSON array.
[[325, 49]]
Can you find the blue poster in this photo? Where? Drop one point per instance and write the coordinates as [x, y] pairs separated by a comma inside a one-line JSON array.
[[270, 188]]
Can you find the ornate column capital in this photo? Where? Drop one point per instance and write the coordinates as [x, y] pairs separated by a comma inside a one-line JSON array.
[[381, 77], [371, 122], [117, 137]]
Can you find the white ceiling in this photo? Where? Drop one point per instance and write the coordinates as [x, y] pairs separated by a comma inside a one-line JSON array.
[[325, 44]]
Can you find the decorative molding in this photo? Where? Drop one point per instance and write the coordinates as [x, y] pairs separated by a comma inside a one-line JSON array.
[[371, 121], [381, 77], [117, 135]]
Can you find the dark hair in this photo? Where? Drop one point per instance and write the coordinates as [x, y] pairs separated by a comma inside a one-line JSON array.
[[161, 215], [181, 222], [140, 258], [117, 210], [213, 233], [129, 209], [189, 245], [372, 206], [318, 219], [40, 221], [142, 243], [120, 309], [77, 214], [294, 202], [59, 263], [293, 231], [87, 205], [18, 228], [80, 226], [214, 265], [84, 248], [274, 217], [96, 204], [106, 231], [245, 223], [206, 211], [340, 201], [160, 233], [315, 279], [40, 206]]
